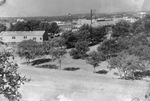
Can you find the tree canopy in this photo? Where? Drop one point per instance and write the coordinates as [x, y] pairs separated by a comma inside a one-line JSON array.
[[2, 27], [94, 58], [29, 49], [10, 79], [80, 50]]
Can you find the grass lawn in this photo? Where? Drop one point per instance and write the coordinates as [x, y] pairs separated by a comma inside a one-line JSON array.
[[79, 85]]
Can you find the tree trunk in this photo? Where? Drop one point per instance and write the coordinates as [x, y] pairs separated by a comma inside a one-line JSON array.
[[147, 95], [94, 70], [125, 74], [60, 63], [120, 74], [28, 62], [133, 77]]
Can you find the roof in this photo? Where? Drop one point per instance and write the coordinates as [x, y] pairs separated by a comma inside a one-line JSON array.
[[22, 33]]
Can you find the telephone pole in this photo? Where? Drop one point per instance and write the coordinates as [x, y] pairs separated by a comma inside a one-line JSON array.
[[92, 12], [91, 16]]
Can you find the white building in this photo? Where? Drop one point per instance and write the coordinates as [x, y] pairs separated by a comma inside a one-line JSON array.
[[131, 20], [83, 21], [59, 23], [20, 20], [18, 36]]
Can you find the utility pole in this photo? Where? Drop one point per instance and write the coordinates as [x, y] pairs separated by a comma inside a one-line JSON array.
[[91, 16], [92, 13]]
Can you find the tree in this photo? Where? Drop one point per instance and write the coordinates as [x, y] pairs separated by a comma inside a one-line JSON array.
[[53, 29], [141, 26], [92, 35], [98, 34], [32, 25], [56, 48], [80, 50], [94, 58], [142, 51], [58, 54], [43, 26], [111, 47], [58, 42], [2, 28], [10, 80], [46, 46], [85, 27], [70, 39], [121, 29], [29, 50], [83, 35], [127, 64], [19, 26], [136, 27]]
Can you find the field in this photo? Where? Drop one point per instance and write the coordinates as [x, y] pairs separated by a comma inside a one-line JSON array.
[[80, 85]]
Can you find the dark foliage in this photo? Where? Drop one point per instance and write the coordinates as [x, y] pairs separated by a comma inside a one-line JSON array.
[[36, 25], [2, 27], [71, 68], [80, 50], [40, 61], [121, 29], [86, 33], [70, 39], [102, 72], [141, 74], [98, 34], [48, 66]]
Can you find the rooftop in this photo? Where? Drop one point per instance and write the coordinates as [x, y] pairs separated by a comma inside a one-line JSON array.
[[22, 33]]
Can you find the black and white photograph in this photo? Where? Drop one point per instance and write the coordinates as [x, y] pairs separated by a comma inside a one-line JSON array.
[[74, 50]]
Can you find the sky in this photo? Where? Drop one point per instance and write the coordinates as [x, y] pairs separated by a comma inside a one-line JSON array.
[[25, 8]]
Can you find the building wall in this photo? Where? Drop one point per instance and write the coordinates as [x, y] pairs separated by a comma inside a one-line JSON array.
[[45, 36], [21, 38]]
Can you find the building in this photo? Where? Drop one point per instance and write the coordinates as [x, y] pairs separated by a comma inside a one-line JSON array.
[[142, 14], [20, 20], [59, 23], [131, 20], [83, 21], [18, 36]]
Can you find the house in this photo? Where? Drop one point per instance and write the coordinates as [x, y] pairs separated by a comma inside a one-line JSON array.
[[18, 36], [66, 28]]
